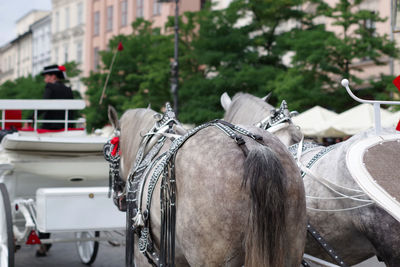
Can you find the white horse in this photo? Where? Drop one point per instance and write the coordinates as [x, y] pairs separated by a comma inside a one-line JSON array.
[[349, 221], [228, 212]]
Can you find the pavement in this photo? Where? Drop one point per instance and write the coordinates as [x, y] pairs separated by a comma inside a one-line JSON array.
[[66, 255]]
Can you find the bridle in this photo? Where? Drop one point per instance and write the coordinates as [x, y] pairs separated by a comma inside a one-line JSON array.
[[278, 119]]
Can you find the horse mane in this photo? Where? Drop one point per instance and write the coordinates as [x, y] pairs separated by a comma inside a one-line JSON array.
[[134, 124]]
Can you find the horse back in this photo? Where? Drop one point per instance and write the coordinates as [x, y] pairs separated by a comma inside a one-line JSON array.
[[213, 205]]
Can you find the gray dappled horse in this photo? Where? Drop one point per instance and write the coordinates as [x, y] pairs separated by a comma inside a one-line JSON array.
[[228, 211], [356, 228]]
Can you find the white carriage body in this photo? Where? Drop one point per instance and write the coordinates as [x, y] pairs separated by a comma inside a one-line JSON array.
[[55, 181], [35, 161], [83, 209]]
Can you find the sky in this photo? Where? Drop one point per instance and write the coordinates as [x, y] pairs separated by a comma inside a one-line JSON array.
[[12, 10]]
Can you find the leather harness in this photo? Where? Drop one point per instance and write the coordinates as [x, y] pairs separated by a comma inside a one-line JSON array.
[[128, 196]]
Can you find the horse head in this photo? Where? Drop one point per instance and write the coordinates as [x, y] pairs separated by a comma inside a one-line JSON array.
[[130, 129], [245, 108]]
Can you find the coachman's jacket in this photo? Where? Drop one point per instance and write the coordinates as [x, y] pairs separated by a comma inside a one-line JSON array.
[[56, 90]]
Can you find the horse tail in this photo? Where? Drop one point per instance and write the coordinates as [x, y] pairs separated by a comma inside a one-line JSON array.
[[264, 243]]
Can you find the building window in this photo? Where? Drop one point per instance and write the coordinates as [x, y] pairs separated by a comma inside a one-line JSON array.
[[202, 4], [57, 20], [96, 23], [65, 53], [79, 52], [110, 11], [67, 18], [124, 13], [80, 13], [139, 8], [96, 59], [156, 7], [370, 26]]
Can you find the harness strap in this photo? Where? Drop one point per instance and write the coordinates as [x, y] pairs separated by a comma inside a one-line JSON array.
[[297, 150], [331, 252], [165, 169]]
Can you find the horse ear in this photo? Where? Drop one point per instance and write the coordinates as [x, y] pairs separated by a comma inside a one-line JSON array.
[[267, 97], [113, 117], [148, 106], [225, 101]]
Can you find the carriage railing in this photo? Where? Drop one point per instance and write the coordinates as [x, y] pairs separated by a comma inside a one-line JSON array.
[[37, 105], [376, 103]]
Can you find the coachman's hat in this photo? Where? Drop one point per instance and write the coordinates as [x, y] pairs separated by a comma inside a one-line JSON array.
[[59, 71]]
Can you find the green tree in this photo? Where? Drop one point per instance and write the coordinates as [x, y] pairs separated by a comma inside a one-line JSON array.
[[235, 49], [32, 87], [321, 58], [140, 75]]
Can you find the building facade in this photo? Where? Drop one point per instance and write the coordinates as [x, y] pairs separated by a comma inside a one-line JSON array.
[[108, 18], [41, 44], [385, 10], [8, 55], [370, 70], [23, 24], [16, 56], [23, 44], [68, 35]]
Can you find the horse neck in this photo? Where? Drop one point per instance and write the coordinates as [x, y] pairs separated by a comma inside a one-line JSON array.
[[288, 135], [285, 138], [134, 124]]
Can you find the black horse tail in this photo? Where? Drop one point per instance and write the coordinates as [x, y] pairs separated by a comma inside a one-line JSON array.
[[265, 233]]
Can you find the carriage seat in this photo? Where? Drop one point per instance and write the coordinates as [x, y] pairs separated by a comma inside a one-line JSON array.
[[13, 115]]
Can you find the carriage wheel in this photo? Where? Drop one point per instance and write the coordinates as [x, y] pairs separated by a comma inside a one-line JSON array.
[[87, 249], [6, 232]]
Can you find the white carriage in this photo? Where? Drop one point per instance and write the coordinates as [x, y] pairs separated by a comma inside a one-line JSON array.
[[53, 182]]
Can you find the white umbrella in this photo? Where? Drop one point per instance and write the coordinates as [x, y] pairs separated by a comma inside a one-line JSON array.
[[359, 118], [392, 120], [316, 122]]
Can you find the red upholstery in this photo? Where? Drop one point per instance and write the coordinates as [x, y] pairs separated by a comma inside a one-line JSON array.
[[30, 129], [13, 115]]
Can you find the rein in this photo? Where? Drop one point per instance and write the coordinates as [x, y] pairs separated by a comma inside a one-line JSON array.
[[306, 170]]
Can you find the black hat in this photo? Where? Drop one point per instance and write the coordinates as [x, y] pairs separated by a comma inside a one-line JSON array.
[[59, 71]]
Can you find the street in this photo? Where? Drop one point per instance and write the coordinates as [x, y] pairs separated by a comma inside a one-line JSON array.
[[66, 255]]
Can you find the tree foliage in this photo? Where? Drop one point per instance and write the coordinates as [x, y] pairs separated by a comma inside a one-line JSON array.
[[338, 48], [235, 53], [139, 77], [32, 87], [298, 49]]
